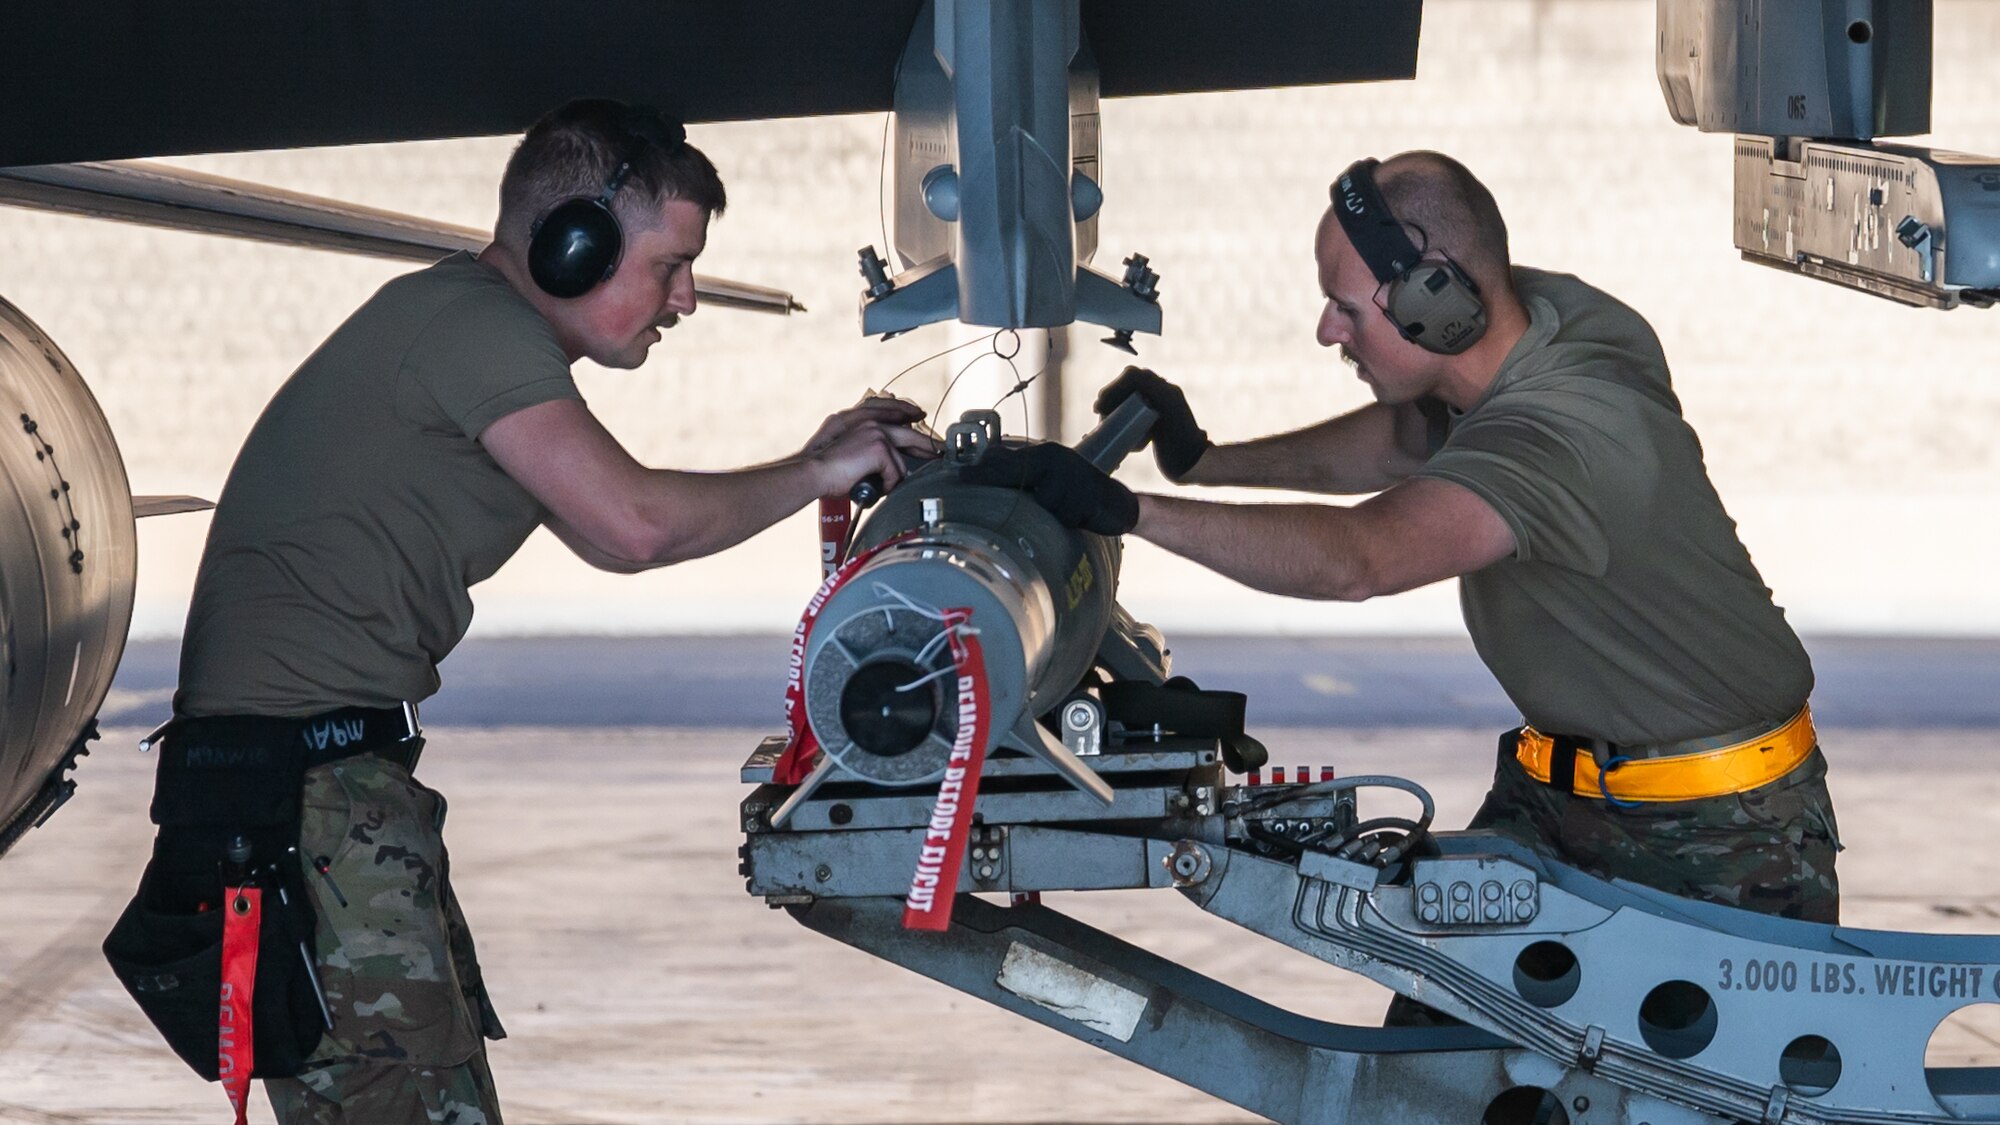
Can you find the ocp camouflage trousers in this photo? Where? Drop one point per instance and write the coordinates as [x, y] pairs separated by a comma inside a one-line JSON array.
[[395, 960], [1769, 849]]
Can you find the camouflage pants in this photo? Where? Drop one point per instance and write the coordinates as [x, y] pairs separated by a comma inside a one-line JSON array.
[[396, 961], [1768, 849]]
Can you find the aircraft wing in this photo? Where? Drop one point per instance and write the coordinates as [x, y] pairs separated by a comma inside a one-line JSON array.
[[158, 195], [124, 78], [144, 506]]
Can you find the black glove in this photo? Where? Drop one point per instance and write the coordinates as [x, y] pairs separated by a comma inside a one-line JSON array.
[[1177, 442], [1076, 492]]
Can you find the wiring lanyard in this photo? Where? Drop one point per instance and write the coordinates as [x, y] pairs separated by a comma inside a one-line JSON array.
[[941, 855], [242, 919], [836, 528], [801, 746]]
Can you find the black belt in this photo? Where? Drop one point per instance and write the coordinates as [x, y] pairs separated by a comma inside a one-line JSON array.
[[392, 733]]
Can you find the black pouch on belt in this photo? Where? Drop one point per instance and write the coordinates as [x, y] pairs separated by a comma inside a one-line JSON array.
[[219, 790]]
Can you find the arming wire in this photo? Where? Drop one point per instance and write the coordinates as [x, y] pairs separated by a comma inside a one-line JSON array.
[[931, 647], [994, 343], [988, 340], [955, 378], [1020, 388]]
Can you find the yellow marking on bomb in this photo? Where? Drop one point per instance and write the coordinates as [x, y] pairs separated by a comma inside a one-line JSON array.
[[1080, 581]]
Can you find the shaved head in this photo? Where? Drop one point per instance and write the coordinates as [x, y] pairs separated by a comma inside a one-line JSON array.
[[1445, 208]]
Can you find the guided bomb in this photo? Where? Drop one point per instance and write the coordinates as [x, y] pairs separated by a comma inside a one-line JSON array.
[[878, 679]]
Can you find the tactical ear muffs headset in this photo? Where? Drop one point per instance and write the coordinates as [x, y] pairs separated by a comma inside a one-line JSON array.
[[577, 243], [1430, 300]]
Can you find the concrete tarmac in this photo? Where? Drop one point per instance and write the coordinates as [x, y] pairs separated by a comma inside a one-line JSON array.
[[640, 984]]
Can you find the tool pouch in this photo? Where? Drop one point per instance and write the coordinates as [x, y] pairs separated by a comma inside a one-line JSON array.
[[167, 947]]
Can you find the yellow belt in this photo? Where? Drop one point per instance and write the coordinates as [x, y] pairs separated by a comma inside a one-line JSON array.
[[1680, 777]]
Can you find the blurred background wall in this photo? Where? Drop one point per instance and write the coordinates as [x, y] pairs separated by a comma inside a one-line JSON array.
[[1854, 440]]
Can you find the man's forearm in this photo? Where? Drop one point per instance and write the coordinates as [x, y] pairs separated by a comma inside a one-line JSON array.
[[695, 514], [1357, 452], [1298, 550]]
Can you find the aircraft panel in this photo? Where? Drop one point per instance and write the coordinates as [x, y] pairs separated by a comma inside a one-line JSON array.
[[68, 560], [126, 78]]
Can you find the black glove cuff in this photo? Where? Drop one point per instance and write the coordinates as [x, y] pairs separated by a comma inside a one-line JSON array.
[[1178, 459], [1119, 513]]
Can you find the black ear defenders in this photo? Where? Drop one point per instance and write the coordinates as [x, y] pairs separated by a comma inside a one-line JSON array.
[[577, 243], [1430, 300]]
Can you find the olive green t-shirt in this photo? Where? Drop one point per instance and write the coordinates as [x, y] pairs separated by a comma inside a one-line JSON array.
[[1630, 610], [363, 507]]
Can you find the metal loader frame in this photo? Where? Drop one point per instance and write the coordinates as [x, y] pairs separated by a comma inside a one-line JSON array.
[[1582, 1000]]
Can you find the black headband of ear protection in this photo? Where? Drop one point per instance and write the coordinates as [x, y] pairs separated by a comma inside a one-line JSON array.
[[644, 127], [1365, 216], [648, 126]]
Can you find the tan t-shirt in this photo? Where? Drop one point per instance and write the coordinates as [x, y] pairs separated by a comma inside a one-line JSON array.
[[1630, 610], [363, 507]]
